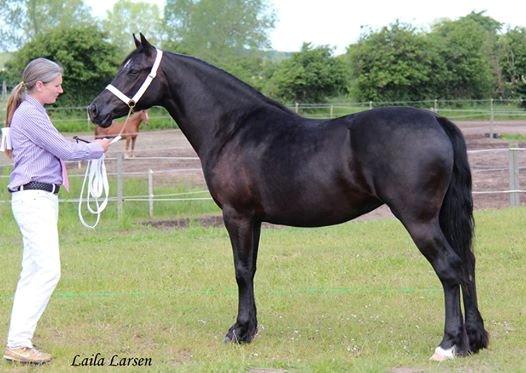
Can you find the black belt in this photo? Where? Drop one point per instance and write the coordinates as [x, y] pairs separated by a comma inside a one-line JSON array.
[[36, 185]]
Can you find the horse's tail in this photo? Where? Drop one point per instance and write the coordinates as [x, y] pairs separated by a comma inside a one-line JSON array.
[[457, 223], [456, 214]]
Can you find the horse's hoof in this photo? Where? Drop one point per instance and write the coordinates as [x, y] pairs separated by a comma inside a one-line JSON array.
[[235, 335], [231, 336], [443, 355]]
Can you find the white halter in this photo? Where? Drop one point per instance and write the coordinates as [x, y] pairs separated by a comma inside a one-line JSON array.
[[96, 177], [132, 101]]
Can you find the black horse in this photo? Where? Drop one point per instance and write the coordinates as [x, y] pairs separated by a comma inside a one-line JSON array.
[[264, 163]]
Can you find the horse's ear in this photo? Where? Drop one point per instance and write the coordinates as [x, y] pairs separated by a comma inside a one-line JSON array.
[[137, 42], [145, 43]]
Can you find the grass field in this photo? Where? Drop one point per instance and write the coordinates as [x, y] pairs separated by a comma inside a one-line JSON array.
[[353, 297], [513, 137]]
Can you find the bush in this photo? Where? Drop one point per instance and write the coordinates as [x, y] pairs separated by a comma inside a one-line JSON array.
[[89, 61]]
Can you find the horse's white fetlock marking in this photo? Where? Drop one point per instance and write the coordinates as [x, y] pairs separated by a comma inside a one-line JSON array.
[[442, 355]]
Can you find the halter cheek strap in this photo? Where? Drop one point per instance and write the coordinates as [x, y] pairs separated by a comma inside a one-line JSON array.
[[132, 101]]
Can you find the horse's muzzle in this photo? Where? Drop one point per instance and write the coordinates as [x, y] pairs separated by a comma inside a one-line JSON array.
[[97, 117]]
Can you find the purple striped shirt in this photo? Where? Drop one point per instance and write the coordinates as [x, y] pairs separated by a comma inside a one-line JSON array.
[[38, 147]]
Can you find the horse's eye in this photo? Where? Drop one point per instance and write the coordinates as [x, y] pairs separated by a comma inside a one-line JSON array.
[[133, 72]]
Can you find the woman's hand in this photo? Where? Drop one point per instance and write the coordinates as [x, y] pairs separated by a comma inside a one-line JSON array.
[[105, 143]]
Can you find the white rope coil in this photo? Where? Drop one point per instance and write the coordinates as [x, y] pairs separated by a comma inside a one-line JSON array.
[[97, 188]]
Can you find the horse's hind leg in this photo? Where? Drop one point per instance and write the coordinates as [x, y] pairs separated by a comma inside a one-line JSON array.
[[448, 266], [244, 235], [478, 337]]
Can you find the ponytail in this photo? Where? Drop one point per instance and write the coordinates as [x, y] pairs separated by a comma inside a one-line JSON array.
[[13, 102]]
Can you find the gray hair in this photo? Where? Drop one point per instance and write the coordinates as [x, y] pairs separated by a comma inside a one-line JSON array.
[[40, 69]]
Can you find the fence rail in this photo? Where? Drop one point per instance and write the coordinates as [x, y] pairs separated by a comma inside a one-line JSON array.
[[489, 109], [514, 190]]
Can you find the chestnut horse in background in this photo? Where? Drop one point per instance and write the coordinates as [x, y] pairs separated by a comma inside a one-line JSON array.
[[130, 132]]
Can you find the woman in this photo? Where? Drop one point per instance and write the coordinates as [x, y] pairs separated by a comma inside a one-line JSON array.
[[38, 153]]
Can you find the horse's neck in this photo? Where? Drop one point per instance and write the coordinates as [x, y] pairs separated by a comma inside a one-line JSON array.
[[117, 126], [206, 102], [133, 124]]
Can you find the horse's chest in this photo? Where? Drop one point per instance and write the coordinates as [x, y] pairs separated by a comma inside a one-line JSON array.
[[230, 180]]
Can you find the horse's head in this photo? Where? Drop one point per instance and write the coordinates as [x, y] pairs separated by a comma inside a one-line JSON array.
[[144, 116], [125, 89]]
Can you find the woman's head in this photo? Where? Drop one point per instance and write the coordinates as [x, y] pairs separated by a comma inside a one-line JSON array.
[[42, 78]]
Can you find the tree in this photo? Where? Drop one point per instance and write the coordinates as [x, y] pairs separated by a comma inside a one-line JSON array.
[[311, 75], [226, 33], [212, 27], [395, 63], [127, 17], [23, 20], [512, 52], [89, 61], [466, 47]]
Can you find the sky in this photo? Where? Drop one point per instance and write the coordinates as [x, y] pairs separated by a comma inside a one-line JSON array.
[[338, 23]]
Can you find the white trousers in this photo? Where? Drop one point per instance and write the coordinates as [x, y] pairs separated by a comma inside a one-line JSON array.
[[36, 213]]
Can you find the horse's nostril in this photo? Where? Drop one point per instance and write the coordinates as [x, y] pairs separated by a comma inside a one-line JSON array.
[[92, 109]]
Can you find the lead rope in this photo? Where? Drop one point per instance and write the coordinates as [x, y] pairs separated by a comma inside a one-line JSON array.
[[98, 187]]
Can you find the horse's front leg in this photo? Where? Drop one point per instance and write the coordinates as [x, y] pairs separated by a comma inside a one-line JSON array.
[[133, 146], [244, 234], [126, 147]]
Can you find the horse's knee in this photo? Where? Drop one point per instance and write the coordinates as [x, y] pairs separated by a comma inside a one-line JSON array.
[[450, 269], [244, 275]]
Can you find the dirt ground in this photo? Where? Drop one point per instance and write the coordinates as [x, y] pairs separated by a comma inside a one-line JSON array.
[[490, 169]]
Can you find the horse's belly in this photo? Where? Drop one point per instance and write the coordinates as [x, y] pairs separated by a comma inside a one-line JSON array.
[[320, 210]]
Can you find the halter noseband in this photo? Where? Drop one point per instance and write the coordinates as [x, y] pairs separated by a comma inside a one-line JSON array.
[[132, 101]]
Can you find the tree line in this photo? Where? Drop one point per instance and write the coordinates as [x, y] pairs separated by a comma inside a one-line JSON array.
[[473, 57]]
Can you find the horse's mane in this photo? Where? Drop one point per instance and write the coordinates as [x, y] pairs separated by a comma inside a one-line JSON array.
[[248, 89]]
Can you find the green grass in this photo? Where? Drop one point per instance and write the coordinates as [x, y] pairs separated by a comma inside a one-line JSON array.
[[458, 110], [76, 120], [353, 297], [513, 137]]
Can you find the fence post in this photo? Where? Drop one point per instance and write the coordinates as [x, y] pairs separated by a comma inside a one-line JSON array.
[[88, 118], [491, 119], [150, 193], [297, 107], [514, 175], [435, 106], [4, 89], [120, 184], [370, 105], [331, 112]]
